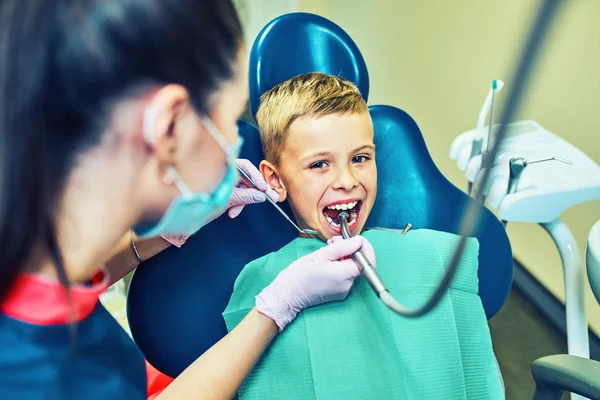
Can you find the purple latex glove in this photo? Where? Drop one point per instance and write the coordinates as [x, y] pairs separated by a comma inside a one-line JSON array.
[[320, 277], [242, 195], [366, 248], [245, 192]]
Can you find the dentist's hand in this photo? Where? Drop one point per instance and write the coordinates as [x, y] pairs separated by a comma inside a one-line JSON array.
[[245, 192], [367, 249], [242, 195], [323, 276]]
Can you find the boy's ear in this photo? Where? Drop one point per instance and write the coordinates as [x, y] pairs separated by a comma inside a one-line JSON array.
[[271, 175]]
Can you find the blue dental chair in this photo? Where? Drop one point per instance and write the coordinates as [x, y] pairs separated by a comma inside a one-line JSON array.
[[175, 299]]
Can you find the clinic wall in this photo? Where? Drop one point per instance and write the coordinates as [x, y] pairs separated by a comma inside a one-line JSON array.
[[436, 58], [255, 14]]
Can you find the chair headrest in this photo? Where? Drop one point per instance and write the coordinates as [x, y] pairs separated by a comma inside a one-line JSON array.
[[300, 43]]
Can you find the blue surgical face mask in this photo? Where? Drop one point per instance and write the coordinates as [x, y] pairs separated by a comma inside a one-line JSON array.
[[190, 211]]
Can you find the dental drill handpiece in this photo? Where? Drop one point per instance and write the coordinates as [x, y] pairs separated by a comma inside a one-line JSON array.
[[359, 258]]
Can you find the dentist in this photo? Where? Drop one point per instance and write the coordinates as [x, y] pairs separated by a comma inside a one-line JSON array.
[[118, 115]]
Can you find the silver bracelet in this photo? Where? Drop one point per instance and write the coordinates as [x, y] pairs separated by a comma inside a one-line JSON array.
[[135, 250]]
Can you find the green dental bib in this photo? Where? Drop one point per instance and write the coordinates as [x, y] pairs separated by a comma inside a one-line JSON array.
[[359, 349]]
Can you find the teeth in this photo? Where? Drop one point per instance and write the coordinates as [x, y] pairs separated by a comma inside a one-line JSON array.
[[352, 220], [332, 222], [347, 206]]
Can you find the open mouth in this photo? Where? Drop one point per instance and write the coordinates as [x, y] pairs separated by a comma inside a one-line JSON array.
[[332, 212]]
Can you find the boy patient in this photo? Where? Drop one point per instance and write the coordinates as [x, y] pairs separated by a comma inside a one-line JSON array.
[[319, 155]]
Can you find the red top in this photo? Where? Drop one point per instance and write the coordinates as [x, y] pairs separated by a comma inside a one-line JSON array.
[[41, 300]]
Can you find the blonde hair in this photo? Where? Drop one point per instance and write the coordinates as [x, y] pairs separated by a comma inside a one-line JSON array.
[[314, 95]]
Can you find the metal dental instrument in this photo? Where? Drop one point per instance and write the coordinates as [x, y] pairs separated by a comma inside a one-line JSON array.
[[270, 200], [363, 263], [491, 123], [488, 107], [517, 166], [545, 16], [487, 161]]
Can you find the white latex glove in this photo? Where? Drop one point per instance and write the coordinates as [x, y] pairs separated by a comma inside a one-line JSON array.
[[242, 195], [320, 277]]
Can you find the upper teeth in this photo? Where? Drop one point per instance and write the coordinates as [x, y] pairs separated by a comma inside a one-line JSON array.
[[343, 206]]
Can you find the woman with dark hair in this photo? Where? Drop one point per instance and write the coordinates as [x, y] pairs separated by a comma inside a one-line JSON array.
[[113, 115]]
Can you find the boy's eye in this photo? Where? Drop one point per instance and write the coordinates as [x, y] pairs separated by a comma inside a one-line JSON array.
[[318, 165], [360, 159]]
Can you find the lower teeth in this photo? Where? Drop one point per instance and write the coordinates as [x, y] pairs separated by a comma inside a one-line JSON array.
[[353, 216], [331, 222]]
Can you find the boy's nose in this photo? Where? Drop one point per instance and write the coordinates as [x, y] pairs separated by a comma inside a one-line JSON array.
[[345, 180]]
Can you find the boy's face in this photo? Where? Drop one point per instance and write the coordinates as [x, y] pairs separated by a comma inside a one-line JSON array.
[[327, 166]]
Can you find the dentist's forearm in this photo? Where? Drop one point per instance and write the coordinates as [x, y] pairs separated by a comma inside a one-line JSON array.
[[124, 260], [219, 372]]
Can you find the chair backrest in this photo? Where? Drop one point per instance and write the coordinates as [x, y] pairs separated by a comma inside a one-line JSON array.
[[411, 189], [176, 298]]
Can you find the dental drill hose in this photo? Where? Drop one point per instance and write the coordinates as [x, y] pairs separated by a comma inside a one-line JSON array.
[[470, 220], [370, 274]]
